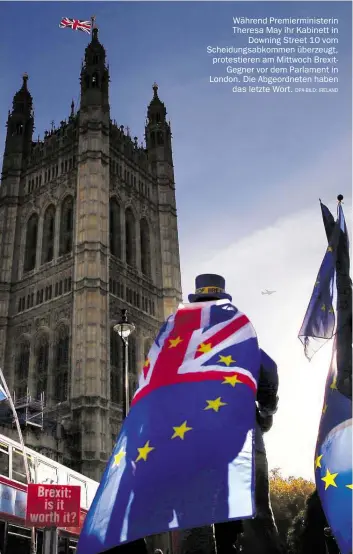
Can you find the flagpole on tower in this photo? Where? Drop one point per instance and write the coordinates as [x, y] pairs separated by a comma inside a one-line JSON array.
[[93, 19]]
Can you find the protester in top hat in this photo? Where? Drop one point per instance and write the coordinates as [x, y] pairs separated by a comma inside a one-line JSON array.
[[261, 533]]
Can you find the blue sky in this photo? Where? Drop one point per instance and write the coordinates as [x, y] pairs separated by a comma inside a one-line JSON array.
[[251, 166], [229, 148]]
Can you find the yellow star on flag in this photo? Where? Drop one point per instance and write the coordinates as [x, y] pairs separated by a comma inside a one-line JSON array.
[[231, 380], [227, 360], [329, 249], [144, 451], [333, 385], [329, 479], [147, 363], [215, 404], [349, 487], [181, 430], [318, 461], [323, 308], [174, 342], [324, 409], [205, 347], [119, 456], [331, 310]]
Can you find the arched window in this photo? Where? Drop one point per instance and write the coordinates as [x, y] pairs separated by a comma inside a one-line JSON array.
[[61, 364], [22, 369], [145, 244], [48, 235], [31, 243], [66, 225], [160, 138], [95, 80], [116, 365], [42, 366], [114, 228], [130, 237]]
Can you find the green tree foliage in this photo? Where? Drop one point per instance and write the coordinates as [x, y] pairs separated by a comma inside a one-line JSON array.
[[288, 498]]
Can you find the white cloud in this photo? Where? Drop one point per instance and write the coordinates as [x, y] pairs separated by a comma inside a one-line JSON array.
[[285, 257]]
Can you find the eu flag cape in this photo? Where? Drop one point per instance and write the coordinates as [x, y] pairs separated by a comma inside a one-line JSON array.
[[333, 456], [184, 456]]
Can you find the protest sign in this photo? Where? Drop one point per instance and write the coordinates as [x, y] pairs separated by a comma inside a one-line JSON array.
[[53, 505]]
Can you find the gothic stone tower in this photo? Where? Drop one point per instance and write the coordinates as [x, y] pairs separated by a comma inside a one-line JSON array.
[[88, 226]]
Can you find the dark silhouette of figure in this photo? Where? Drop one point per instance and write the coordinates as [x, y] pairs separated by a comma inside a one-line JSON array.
[[310, 532]]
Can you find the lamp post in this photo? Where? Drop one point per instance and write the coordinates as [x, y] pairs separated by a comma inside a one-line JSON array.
[[124, 329]]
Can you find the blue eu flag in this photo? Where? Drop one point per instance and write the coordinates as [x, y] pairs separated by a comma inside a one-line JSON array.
[[184, 456], [320, 319], [333, 457]]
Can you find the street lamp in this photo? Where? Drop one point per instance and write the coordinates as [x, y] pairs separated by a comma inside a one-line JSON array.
[[124, 330]]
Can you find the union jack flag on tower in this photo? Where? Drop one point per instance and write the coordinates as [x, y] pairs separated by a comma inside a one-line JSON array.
[[77, 24]]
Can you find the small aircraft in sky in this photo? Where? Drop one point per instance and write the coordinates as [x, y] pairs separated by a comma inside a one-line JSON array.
[[268, 292]]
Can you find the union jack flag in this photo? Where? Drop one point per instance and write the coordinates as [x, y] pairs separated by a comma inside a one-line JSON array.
[[76, 25], [201, 342]]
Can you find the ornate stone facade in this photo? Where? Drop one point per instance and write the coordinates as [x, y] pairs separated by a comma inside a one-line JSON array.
[[88, 226]]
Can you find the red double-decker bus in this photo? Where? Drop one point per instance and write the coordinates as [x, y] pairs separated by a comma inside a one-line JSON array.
[[15, 537]]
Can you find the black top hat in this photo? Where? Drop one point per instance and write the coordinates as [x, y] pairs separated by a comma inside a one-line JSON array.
[[209, 286]]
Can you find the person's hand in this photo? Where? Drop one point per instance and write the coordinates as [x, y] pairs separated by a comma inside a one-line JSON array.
[[265, 421]]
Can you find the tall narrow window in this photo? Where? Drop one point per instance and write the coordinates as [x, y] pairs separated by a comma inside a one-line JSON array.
[[66, 225], [31, 243], [116, 361], [61, 364], [48, 235], [42, 366], [145, 243], [95, 80], [22, 369], [130, 237], [114, 228], [160, 138]]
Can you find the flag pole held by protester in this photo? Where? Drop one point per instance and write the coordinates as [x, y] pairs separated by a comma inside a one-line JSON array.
[[329, 315]]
